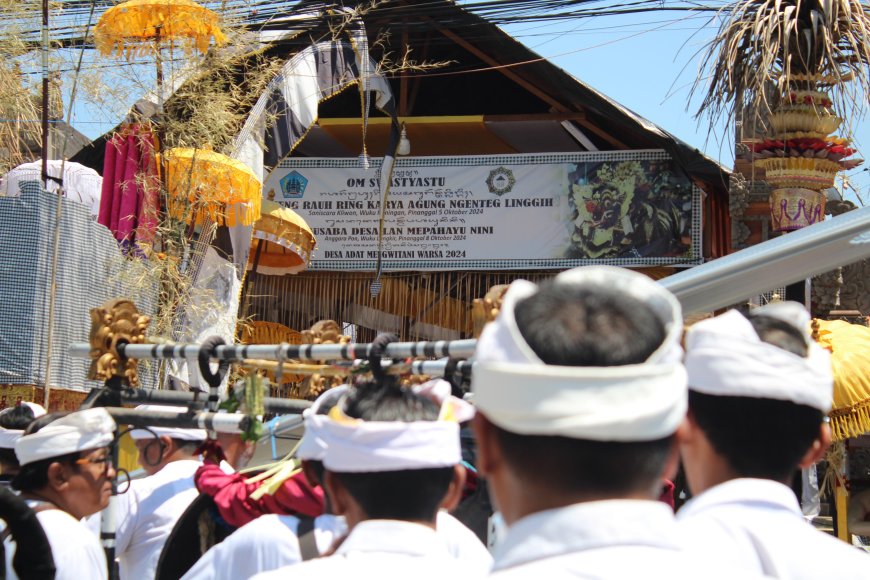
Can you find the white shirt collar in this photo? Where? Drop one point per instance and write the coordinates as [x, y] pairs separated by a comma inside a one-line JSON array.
[[764, 493], [393, 536], [587, 526]]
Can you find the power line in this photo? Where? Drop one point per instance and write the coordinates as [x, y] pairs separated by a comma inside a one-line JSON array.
[[253, 14]]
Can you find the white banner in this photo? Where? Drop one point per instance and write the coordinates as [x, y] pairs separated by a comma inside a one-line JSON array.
[[505, 212]]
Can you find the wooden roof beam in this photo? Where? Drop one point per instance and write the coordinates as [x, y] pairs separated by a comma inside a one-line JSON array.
[[555, 117], [602, 133], [436, 119], [558, 106]]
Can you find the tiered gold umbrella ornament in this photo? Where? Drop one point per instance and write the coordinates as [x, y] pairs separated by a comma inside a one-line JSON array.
[[802, 67], [803, 158], [812, 58]]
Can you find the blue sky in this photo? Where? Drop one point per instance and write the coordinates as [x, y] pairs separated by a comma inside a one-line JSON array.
[[647, 62]]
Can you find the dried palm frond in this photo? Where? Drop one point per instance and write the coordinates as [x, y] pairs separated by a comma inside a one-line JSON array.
[[786, 44], [20, 108]]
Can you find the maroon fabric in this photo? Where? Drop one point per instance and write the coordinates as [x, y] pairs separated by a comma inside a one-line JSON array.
[[232, 496], [471, 484], [129, 202]]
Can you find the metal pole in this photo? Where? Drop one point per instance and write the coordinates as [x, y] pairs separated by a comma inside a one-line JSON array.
[[807, 252], [391, 367], [45, 94], [237, 352], [108, 525], [160, 396], [220, 422], [45, 154]]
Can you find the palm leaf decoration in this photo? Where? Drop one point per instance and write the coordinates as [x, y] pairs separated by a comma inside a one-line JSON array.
[[766, 47]]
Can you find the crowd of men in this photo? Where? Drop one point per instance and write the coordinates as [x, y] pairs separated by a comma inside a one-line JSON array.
[[585, 397]]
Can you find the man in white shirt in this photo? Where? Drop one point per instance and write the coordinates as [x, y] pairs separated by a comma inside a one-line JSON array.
[[579, 392], [275, 541], [66, 475], [148, 511], [392, 460], [759, 391]]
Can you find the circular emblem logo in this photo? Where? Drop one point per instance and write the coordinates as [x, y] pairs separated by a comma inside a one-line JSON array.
[[500, 181]]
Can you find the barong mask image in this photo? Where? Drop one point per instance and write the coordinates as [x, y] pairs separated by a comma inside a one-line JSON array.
[[619, 210]]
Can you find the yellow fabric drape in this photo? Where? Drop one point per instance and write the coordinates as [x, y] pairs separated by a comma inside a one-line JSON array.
[[203, 183], [850, 359]]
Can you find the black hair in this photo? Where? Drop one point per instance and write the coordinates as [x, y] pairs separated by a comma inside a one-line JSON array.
[[760, 438], [8, 459], [779, 333], [317, 466], [384, 399], [34, 476], [17, 418], [585, 466], [187, 446], [412, 494], [571, 326]]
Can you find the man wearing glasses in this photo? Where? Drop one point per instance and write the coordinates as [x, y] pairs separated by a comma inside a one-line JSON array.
[[149, 510], [66, 475]]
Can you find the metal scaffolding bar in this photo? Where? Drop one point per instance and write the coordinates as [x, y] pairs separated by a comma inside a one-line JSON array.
[[219, 422], [789, 258], [164, 397], [239, 352]]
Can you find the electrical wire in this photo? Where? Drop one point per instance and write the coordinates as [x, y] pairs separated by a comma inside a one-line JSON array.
[[254, 14]]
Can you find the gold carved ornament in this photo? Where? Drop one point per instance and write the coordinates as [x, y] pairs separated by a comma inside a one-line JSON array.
[[115, 322], [485, 310], [322, 332]]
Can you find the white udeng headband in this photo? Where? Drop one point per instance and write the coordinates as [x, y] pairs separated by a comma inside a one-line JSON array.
[[8, 437], [355, 446], [520, 393], [725, 357], [312, 446], [79, 431]]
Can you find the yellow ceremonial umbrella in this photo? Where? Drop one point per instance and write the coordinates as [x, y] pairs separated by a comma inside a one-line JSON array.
[[850, 359], [136, 24], [203, 183], [282, 241]]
